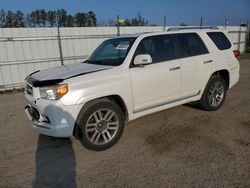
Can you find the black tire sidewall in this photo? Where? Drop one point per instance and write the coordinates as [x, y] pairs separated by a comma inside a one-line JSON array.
[[205, 97], [88, 112]]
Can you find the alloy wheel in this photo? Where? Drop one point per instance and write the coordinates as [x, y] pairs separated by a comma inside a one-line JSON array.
[[102, 126], [216, 94]]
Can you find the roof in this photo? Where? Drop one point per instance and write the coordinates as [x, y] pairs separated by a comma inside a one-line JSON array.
[[174, 30]]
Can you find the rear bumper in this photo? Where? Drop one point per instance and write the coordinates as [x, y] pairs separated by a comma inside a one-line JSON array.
[[234, 79], [234, 76]]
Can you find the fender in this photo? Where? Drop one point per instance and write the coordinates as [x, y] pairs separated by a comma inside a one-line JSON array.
[[88, 98], [208, 76]]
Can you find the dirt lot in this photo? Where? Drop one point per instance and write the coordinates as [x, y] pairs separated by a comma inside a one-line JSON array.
[[180, 147]]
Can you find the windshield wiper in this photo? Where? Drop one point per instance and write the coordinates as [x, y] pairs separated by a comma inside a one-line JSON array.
[[96, 62], [86, 61]]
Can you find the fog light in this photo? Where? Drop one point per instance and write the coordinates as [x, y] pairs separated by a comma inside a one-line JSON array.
[[45, 119]]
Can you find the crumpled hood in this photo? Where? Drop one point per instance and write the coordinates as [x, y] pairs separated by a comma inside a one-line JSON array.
[[58, 74]]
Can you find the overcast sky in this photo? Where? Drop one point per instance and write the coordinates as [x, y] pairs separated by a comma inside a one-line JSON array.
[[214, 12]]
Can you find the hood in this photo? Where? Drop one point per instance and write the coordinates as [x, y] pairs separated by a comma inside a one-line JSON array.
[[58, 74]]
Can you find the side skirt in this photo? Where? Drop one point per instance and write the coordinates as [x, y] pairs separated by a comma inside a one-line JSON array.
[[164, 106]]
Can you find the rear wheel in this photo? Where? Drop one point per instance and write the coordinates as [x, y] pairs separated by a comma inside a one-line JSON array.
[[101, 124], [214, 94]]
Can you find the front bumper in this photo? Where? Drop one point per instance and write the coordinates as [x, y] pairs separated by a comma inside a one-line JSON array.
[[50, 118], [44, 127]]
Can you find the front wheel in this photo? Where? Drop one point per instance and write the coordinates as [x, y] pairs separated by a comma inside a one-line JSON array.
[[214, 94], [101, 125]]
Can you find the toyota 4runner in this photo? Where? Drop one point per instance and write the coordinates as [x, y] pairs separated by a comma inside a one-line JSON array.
[[129, 77]]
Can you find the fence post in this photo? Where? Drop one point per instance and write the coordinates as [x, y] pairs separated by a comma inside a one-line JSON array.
[[226, 23], [59, 39], [164, 24], [201, 23], [239, 37], [247, 37], [118, 25]]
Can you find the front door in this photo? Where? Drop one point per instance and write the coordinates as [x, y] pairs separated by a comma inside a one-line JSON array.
[[157, 83]]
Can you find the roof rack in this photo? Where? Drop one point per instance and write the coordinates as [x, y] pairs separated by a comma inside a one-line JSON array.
[[141, 33], [193, 27]]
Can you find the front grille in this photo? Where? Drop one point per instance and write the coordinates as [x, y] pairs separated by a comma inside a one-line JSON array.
[[28, 89]]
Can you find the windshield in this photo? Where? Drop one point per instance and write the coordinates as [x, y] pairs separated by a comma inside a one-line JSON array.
[[111, 52]]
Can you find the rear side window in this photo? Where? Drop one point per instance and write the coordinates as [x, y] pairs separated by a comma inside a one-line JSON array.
[[160, 48], [220, 40], [190, 44]]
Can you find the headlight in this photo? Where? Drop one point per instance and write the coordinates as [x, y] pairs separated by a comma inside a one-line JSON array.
[[53, 92]]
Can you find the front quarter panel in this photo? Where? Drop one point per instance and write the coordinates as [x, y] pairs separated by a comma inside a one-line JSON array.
[[83, 89]]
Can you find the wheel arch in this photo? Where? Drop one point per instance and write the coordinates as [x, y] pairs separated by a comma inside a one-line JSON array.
[[204, 101], [224, 73], [114, 98]]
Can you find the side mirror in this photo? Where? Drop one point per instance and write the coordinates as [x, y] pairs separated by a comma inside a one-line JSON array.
[[142, 59]]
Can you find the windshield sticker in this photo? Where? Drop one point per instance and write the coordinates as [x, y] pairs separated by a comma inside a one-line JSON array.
[[122, 47]]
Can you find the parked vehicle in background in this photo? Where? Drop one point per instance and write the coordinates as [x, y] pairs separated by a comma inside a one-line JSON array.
[[129, 77]]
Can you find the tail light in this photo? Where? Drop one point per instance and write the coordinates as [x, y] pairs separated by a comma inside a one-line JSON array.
[[236, 53]]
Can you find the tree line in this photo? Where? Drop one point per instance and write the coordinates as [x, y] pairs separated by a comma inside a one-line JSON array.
[[135, 21], [43, 18]]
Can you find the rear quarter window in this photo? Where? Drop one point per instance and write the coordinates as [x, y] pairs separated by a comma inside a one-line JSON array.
[[190, 44], [220, 40]]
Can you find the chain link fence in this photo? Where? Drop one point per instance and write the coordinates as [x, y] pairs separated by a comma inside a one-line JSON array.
[[25, 50]]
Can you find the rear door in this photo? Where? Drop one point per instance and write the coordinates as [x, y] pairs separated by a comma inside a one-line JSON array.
[[195, 62]]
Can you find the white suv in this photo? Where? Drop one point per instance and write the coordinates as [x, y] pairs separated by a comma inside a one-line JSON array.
[[129, 77]]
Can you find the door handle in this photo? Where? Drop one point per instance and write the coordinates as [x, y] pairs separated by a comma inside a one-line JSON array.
[[208, 61], [174, 68]]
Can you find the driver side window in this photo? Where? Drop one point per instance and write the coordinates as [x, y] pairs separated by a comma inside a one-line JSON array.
[[146, 46], [160, 48]]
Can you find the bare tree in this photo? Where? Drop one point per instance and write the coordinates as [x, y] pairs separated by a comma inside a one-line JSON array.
[[136, 21], [183, 24]]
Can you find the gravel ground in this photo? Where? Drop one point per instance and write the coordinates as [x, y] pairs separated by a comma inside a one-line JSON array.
[[179, 147]]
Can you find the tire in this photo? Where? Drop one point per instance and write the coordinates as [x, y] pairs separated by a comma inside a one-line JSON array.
[[214, 94], [100, 125]]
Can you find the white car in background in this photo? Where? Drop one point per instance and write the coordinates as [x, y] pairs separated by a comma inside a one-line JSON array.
[[129, 77]]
